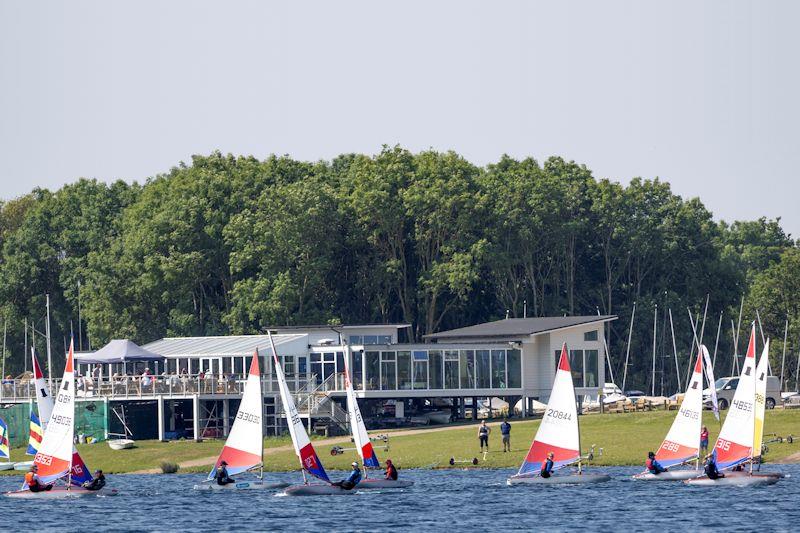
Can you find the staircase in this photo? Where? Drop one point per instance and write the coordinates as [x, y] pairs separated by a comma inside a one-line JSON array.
[[314, 400]]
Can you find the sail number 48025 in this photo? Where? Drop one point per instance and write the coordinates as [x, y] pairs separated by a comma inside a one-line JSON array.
[[558, 415]]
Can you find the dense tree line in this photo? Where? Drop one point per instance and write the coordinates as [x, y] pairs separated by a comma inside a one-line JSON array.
[[233, 244]]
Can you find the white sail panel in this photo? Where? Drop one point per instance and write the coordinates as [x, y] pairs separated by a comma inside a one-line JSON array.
[[762, 372], [682, 442]]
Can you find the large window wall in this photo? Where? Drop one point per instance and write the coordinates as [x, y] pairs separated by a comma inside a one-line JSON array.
[[583, 364], [442, 369]]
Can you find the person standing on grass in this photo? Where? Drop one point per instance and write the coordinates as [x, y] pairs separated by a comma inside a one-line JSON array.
[[704, 441], [483, 435], [505, 431]]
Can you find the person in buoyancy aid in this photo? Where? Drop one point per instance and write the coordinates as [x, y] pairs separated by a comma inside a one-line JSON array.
[[352, 480], [391, 471], [547, 466], [32, 480], [97, 483], [222, 476], [710, 467], [652, 464]]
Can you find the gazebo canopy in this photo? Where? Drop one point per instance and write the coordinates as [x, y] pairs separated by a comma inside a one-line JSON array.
[[119, 351]]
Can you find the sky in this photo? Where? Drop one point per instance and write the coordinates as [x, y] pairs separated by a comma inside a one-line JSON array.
[[703, 94]]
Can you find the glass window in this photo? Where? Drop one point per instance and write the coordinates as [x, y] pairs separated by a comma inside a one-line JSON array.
[[302, 366], [483, 367], [356, 369], [467, 369], [340, 362], [384, 339], [451, 371], [288, 365], [435, 368], [227, 364], [238, 366], [315, 357], [499, 369], [355, 339], [576, 364], [420, 370], [404, 370], [194, 366], [591, 368], [590, 336], [514, 369], [370, 339], [388, 377], [372, 367]]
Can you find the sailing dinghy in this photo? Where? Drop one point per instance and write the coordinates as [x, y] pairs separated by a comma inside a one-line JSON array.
[[682, 443], [361, 438], [737, 437], [558, 433], [309, 460], [244, 449], [4, 450], [56, 456]]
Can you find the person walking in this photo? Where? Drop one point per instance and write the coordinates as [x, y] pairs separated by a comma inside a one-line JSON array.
[[505, 431], [483, 435]]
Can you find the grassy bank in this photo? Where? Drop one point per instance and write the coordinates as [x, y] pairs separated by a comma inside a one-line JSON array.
[[625, 439]]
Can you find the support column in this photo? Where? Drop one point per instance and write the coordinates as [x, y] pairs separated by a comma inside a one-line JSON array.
[[474, 409], [160, 403], [196, 417], [525, 406], [226, 417]]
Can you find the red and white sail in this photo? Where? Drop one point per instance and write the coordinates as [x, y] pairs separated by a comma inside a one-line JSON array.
[[44, 402], [735, 442], [244, 448], [309, 459], [682, 442], [357, 428], [54, 458], [558, 432], [762, 371]]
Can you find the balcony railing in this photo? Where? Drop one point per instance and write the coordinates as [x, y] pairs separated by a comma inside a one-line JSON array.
[[121, 387]]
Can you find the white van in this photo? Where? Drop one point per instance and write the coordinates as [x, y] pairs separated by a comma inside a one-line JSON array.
[[727, 386]]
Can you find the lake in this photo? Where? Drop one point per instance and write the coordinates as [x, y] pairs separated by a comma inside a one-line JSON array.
[[455, 500]]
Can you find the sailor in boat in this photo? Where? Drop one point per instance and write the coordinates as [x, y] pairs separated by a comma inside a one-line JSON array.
[[391, 471], [652, 464], [97, 483], [222, 476], [547, 466], [32, 480], [352, 480], [710, 467]]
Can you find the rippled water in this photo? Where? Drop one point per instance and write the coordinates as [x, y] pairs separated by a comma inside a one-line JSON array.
[[455, 500]]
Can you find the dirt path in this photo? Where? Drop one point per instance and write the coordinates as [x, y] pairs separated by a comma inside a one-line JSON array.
[[794, 458], [207, 461]]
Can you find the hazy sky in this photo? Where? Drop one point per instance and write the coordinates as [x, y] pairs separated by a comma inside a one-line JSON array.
[[705, 95]]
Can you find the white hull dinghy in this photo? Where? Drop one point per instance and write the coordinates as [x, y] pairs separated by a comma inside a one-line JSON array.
[[309, 460], [363, 444], [682, 443], [378, 483], [56, 457], [6, 466], [745, 480], [558, 433], [741, 435], [242, 485], [59, 493], [319, 489], [244, 448], [570, 479], [121, 444], [23, 466]]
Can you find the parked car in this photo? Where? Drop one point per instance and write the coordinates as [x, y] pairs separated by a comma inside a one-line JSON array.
[[726, 387]]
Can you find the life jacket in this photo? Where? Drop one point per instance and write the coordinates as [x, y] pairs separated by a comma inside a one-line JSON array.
[[547, 465], [30, 479]]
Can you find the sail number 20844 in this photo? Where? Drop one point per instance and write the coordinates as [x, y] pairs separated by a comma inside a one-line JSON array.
[[558, 415]]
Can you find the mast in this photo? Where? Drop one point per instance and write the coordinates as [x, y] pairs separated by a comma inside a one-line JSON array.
[[716, 342], [5, 324], [49, 354], [628, 349], [675, 352], [653, 376], [605, 345], [783, 357]]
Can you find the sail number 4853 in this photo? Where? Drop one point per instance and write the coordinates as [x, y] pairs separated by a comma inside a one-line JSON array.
[[558, 415]]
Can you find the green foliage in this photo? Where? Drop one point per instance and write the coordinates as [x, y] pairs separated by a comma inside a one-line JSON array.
[[230, 244]]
